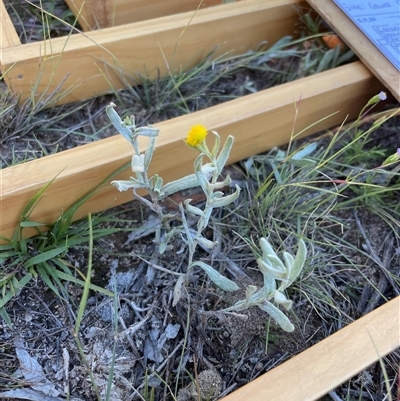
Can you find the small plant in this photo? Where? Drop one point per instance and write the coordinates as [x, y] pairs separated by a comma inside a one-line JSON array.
[[273, 270], [313, 187], [45, 255], [206, 176]]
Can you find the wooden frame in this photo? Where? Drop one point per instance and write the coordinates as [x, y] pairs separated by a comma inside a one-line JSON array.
[[84, 65], [258, 122], [95, 14], [326, 365], [368, 53]]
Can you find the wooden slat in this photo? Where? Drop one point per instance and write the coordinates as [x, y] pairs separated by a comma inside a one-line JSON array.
[[259, 122], [8, 34], [94, 14], [176, 42], [316, 371], [368, 53]]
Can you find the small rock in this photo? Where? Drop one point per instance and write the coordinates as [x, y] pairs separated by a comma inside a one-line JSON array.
[[210, 385]]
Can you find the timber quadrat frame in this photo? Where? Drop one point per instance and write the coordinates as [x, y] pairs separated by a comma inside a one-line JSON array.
[[85, 64], [238, 26], [88, 64]]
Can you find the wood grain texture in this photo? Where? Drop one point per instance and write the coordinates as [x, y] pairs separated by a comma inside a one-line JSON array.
[[90, 64], [258, 122], [92, 14], [8, 34], [370, 55], [95, 14], [316, 371]]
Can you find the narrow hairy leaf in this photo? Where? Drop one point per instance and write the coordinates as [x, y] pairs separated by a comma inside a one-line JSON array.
[[217, 278], [277, 315], [224, 155], [298, 264]]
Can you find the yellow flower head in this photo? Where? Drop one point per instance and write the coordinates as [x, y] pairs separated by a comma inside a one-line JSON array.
[[196, 136]]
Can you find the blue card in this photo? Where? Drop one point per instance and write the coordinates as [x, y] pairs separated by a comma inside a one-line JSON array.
[[379, 20]]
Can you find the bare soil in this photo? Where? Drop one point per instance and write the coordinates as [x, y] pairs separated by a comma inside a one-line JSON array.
[[192, 342]]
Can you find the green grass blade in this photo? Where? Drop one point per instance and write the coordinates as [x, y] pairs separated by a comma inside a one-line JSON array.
[[5, 316], [18, 286], [114, 352], [72, 279], [45, 271], [62, 225], [86, 287], [44, 257], [29, 209]]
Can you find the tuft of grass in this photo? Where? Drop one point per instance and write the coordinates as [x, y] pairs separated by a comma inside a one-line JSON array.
[[45, 255], [319, 190]]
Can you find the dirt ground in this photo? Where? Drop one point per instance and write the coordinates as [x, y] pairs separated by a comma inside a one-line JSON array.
[[191, 340], [177, 347]]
